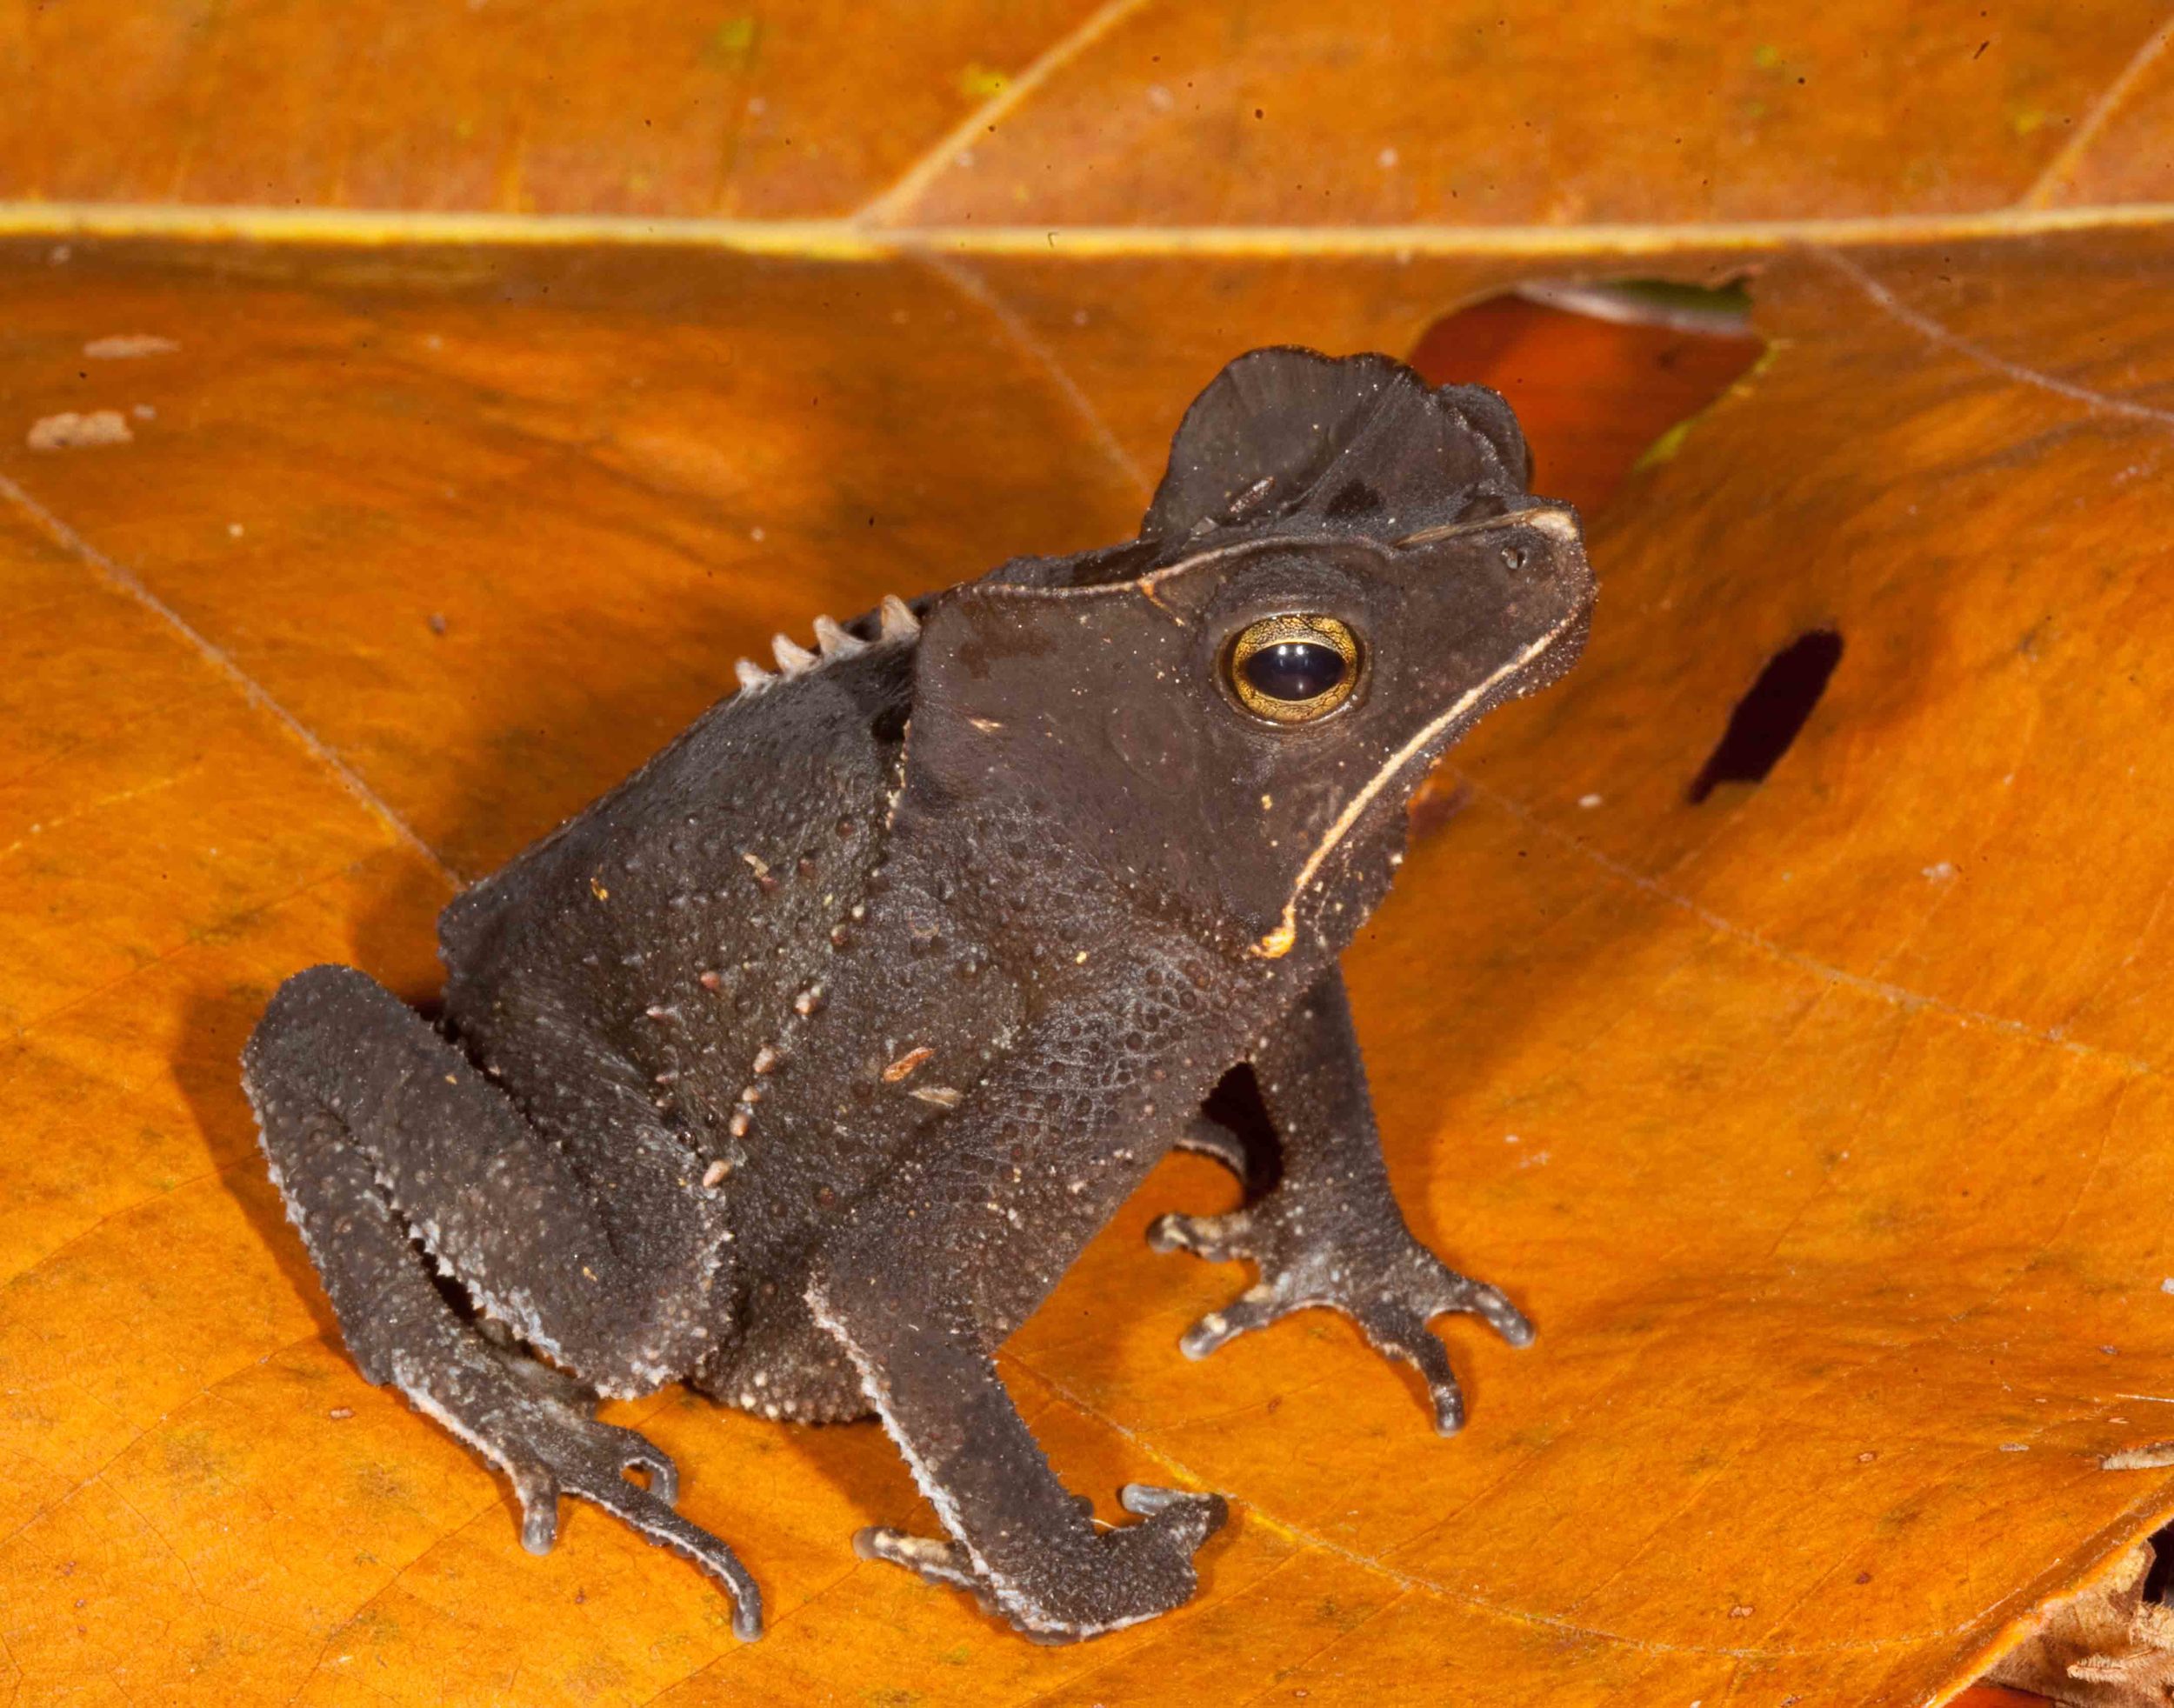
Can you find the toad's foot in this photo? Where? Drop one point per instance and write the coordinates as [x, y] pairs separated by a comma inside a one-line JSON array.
[[539, 1427], [1320, 1251], [1136, 1570]]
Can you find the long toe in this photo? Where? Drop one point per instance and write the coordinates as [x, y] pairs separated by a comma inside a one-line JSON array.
[[935, 1561], [1398, 1332], [537, 1492], [1491, 1305], [1194, 1515], [641, 1510], [636, 1452], [1212, 1139], [1252, 1309]]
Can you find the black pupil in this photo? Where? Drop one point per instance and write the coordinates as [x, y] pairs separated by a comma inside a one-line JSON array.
[[1295, 670]]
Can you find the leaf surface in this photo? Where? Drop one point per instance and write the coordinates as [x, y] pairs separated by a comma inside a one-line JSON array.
[[1820, 1126]]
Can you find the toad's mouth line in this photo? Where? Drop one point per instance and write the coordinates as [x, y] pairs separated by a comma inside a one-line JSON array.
[[1279, 942]]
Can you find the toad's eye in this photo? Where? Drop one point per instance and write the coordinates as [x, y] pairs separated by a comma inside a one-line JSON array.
[[1292, 670]]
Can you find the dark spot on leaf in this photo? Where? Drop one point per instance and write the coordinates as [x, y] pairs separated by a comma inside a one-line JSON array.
[[1768, 719]]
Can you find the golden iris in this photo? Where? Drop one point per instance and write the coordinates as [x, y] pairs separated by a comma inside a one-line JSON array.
[[1293, 669]]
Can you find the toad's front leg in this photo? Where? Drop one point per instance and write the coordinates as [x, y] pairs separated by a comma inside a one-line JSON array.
[[1328, 1233], [921, 1283]]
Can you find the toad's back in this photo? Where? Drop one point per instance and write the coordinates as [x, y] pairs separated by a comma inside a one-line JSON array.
[[648, 948]]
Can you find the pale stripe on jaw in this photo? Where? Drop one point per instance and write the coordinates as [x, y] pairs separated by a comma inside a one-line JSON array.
[[1279, 942]]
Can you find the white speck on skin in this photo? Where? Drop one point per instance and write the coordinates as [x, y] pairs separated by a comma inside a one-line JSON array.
[[1940, 873], [1385, 159], [1589, 802]]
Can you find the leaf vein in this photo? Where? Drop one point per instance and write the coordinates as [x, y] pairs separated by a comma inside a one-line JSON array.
[[127, 584]]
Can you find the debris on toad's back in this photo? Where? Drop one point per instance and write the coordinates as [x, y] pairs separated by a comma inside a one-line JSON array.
[[906, 1063], [124, 345], [71, 431]]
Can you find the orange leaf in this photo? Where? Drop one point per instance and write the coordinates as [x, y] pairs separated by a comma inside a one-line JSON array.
[[1820, 1124]]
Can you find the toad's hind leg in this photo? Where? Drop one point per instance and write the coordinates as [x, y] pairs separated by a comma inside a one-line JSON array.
[[380, 1134]]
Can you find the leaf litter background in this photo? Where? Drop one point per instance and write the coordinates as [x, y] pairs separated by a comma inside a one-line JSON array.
[[1840, 1175]]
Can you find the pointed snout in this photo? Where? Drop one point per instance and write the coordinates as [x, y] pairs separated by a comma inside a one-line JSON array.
[[1563, 572]]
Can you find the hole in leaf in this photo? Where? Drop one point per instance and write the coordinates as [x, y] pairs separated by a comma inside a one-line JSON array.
[[1767, 719], [1598, 374]]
